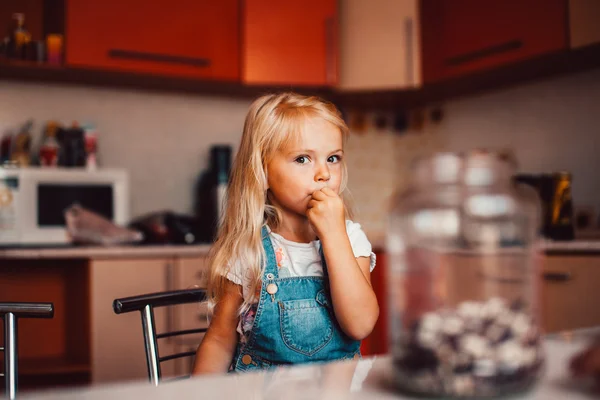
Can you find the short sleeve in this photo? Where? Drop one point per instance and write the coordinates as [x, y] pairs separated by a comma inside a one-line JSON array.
[[361, 247], [235, 274]]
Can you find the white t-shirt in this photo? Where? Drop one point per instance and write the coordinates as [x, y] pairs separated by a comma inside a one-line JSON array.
[[296, 259]]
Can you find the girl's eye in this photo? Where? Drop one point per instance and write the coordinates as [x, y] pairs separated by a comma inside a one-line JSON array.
[[334, 159], [301, 160]]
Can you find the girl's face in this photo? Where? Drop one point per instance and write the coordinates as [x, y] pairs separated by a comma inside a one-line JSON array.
[[313, 162]]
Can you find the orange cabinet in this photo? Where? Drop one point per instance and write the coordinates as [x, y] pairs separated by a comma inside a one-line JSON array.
[[290, 42], [465, 36], [188, 38]]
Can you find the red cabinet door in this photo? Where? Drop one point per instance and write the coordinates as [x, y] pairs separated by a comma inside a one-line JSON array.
[[377, 341], [191, 38], [465, 36], [290, 42]]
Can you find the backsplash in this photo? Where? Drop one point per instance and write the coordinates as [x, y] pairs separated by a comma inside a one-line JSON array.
[[551, 126], [164, 139]]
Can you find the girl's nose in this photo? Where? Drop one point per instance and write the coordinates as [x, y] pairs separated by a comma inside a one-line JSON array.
[[322, 174]]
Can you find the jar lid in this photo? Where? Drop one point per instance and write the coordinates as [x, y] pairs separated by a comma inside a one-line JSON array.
[[473, 168]]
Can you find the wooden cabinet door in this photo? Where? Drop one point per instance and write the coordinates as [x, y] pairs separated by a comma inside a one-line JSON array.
[[379, 45], [570, 294], [191, 38], [117, 340], [377, 341], [189, 272], [465, 36], [290, 42]]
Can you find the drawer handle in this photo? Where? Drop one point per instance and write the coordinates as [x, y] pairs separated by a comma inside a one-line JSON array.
[[157, 57], [511, 45], [557, 276]]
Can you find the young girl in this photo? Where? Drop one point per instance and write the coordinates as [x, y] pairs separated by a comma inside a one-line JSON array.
[[290, 275]]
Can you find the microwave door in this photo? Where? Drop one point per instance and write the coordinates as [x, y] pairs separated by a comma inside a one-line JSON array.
[[54, 198]]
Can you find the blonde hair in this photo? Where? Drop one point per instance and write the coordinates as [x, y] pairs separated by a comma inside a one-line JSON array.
[[273, 121]]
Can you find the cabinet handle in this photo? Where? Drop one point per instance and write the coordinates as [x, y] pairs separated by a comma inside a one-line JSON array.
[[557, 276], [157, 57], [330, 64], [170, 286], [410, 55], [506, 47]]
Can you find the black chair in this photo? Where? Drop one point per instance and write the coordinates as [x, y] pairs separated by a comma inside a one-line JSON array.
[[10, 313], [146, 304]]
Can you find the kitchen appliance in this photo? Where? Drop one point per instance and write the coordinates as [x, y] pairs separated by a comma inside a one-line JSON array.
[[211, 193], [166, 227], [554, 191], [33, 201]]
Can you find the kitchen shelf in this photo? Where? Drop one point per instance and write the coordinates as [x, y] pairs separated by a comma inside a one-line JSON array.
[[536, 69], [33, 72]]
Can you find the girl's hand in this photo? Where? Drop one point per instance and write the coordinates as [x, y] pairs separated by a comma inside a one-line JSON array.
[[326, 213]]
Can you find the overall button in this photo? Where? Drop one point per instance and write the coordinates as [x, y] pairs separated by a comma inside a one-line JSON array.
[[246, 360], [270, 276], [272, 288]]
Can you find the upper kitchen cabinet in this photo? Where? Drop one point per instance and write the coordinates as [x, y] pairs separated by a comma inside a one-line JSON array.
[[191, 38], [379, 45], [290, 42], [584, 17], [465, 36]]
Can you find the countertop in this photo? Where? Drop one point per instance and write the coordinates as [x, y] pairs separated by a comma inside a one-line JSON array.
[[364, 379], [99, 252], [572, 246]]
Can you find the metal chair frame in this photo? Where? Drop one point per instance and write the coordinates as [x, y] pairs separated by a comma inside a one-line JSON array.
[[146, 304], [10, 313]]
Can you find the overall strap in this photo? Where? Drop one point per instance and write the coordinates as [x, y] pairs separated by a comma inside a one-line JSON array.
[[271, 266]]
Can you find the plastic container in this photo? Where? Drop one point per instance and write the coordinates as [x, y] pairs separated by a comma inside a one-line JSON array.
[[463, 282]]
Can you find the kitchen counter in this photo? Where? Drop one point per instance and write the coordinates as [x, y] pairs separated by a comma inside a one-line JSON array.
[[364, 379], [100, 252], [108, 252], [572, 246]]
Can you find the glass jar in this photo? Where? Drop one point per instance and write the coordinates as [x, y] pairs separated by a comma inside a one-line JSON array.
[[463, 290]]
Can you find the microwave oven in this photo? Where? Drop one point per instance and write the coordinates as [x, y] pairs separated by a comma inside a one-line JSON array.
[[33, 201]]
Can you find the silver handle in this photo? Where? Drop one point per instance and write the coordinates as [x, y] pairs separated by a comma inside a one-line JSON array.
[[557, 276], [170, 283], [330, 61], [409, 28], [158, 57], [506, 47]]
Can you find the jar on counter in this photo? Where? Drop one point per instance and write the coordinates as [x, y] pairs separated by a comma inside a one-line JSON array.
[[463, 282]]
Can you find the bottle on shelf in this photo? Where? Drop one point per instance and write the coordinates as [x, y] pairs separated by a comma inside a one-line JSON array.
[[48, 154], [20, 38]]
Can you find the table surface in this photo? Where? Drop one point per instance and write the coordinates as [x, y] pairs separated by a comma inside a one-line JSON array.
[[363, 379]]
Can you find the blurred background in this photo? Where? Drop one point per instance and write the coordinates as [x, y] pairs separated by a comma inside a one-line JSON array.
[[159, 90]]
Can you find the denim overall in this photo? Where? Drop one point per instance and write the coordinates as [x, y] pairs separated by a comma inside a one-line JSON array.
[[294, 322]]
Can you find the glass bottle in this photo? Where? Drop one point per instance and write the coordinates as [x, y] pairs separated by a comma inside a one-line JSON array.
[[49, 149], [463, 284]]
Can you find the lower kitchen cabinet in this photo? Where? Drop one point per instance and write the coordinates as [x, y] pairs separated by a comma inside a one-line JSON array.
[[570, 292], [117, 346]]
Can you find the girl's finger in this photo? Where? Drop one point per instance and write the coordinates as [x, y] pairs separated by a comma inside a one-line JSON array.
[[319, 195], [329, 192]]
